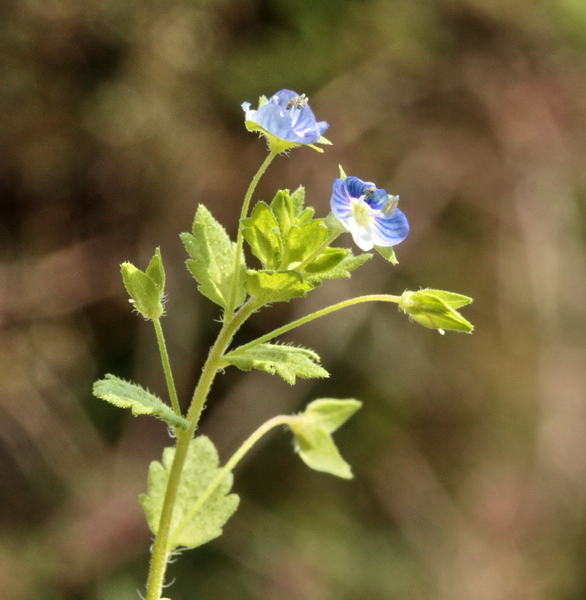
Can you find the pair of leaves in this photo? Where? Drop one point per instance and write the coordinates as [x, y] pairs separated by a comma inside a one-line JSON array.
[[212, 261], [287, 361], [203, 503], [313, 430], [141, 402]]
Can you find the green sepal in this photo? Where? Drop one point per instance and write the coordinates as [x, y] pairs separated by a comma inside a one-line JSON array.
[[388, 253], [190, 529], [275, 286], [287, 361], [312, 430], [261, 231], [334, 224], [141, 402], [145, 292], [342, 173], [279, 145], [213, 257], [436, 309], [156, 271]]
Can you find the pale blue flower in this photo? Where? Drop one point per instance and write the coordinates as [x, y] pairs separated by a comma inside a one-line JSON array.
[[368, 213], [286, 120]]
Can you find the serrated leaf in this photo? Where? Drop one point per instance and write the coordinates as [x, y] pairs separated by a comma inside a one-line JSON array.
[[388, 253], [261, 231], [213, 256], [287, 361], [303, 241], [200, 470], [275, 286], [141, 402]]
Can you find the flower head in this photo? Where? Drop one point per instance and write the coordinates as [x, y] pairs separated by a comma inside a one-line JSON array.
[[368, 213], [286, 120]]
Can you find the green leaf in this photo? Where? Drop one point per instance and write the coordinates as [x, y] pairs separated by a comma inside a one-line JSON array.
[[213, 256], [388, 253], [287, 361], [312, 430], [334, 224], [140, 401], [436, 309], [330, 413], [156, 271], [275, 286], [188, 528], [282, 209], [345, 267], [261, 231], [298, 200], [327, 260], [145, 293], [303, 241]]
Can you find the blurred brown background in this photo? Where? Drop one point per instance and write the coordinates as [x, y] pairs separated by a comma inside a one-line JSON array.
[[119, 116]]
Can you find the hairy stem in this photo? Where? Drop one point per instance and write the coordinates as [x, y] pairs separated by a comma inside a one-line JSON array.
[[317, 314], [214, 362], [229, 466], [240, 239], [167, 367]]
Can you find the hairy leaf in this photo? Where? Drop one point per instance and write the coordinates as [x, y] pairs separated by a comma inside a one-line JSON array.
[[275, 286]]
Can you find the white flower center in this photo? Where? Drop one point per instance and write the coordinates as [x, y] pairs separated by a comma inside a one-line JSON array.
[[363, 213]]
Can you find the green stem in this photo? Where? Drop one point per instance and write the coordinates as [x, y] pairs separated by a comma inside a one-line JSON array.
[[229, 466], [316, 315], [214, 362], [240, 240], [167, 367]]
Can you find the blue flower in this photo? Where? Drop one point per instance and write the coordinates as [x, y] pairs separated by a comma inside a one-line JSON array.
[[368, 213], [286, 120]]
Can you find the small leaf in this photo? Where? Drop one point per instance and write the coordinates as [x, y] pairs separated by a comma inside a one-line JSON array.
[[275, 286], [327, 260], [189, 529], [129, 395], [298, 200], [312, 430], [144, 292], [345, 267], [287, 361], [388, 253], [334, 224], [156, 271], [450, 298], [261, 231], [282, 209], [303, 241], [213, 256]]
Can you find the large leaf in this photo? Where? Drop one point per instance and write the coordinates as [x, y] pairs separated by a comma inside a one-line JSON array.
[[275, 286], [212, 262], [196, 519], [140, 401], [344, 267], [303, 241], [287, 361]]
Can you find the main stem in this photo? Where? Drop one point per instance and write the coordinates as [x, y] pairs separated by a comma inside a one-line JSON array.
[[240, 239], [214, 362]]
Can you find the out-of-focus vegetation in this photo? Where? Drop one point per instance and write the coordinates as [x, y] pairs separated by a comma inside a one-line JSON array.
[[118, 118]]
